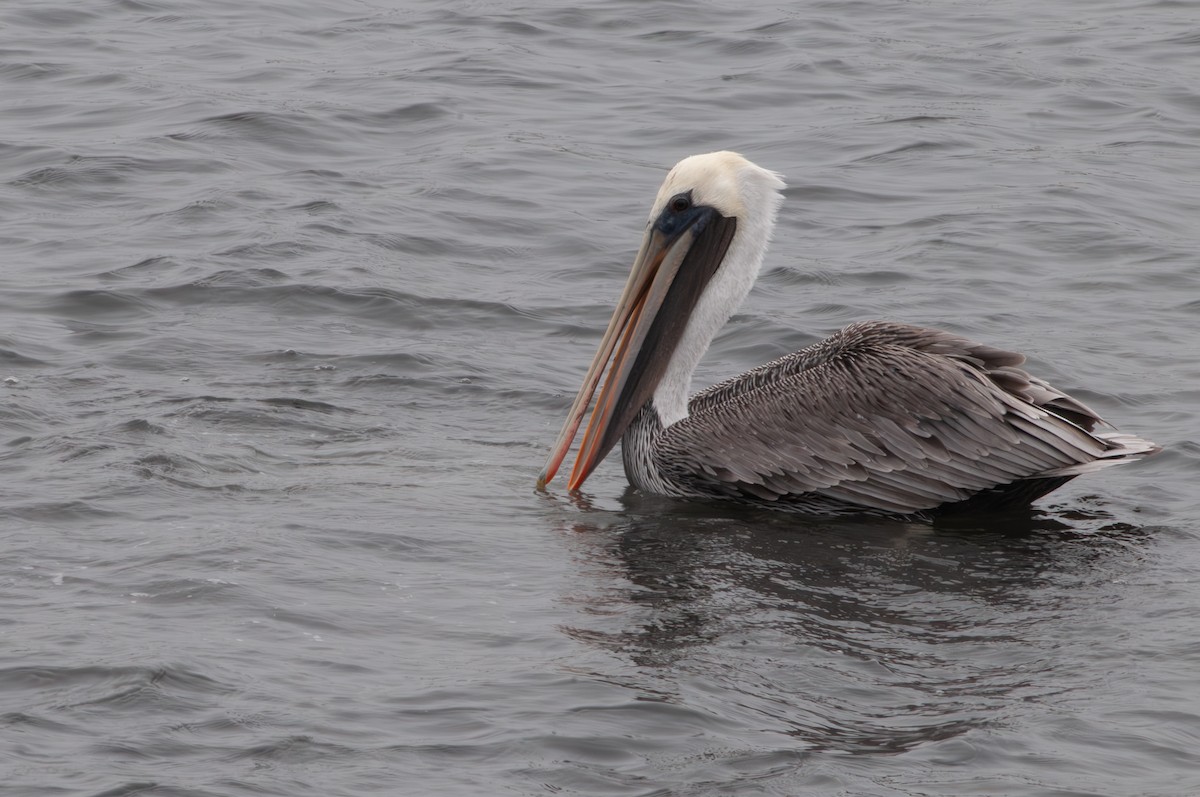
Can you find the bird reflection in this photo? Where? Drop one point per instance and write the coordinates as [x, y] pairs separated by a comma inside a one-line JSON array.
[[851, 636]]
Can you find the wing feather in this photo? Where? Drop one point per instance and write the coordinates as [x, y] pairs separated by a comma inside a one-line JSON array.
[[888, 417]]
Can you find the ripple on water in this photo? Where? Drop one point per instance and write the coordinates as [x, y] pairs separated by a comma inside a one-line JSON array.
[[295, 304]]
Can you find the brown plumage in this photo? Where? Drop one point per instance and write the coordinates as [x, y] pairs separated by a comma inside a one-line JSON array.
[[880, 418]]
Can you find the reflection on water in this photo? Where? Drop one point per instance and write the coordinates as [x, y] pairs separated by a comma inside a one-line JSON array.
[[857, 637]]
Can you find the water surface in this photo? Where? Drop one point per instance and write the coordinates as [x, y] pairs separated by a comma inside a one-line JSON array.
[[295, 295]]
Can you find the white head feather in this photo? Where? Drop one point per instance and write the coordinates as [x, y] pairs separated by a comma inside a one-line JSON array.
[[734, 187]]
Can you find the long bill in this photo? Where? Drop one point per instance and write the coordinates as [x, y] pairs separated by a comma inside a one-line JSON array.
[[667, 279]]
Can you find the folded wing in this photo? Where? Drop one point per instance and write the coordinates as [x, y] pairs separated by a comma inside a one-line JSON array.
[[887, 417]]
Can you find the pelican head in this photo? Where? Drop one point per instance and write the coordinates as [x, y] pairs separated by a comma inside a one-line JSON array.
[[704, 243]]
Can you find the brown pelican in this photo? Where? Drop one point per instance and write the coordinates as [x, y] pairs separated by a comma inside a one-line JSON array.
[[881, 418]]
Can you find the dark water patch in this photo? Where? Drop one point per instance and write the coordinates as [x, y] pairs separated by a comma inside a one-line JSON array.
[[398, 365], [878, 277], [91, 171], [313, 621], [197, 212], [285, 355], [1188, 38], [186, 591], [485, 73], [352, 26], [318, 207], [298, 414], [327, 178], [523, 29], [382, 543], [779, 27], [294, 749], [33, 71], [303, 404], [916, 149], [100, 304], [146, 271], [272, 251], [1183, 455], [822, 194], [285, 132], [145, 788], [53, 18], [266, 287], [69, 687], [438, 390], [39, 110], [196, 474], [141, 6], [753, 48], [118, 751], [55, 511], [23, 156], [98, 81], [918, 119], [141, 426], [15, 359], [418, 245], [396, 119], [238, 278], [260, 76]]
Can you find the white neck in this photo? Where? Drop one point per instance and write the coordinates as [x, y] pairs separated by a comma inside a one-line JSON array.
[[725, 292]]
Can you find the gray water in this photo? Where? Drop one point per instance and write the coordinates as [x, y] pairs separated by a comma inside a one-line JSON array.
[[294, 296]]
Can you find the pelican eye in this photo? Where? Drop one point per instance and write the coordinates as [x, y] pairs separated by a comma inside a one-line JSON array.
[[679, 203]]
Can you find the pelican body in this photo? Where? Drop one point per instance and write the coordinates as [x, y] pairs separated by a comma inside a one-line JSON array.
[[880, 418]]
